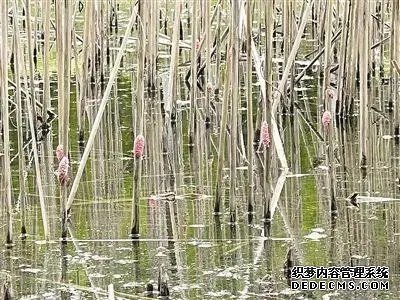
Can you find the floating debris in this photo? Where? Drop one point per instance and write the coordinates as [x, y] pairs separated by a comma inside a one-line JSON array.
[[133, 284], [316, 234], [32, 270], [218, 294], [97, 275], [323, 168], [355, 199], [205, 245], [168, 196], [197, 225], [125, 261]]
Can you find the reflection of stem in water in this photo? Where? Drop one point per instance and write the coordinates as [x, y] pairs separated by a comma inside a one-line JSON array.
[[64, 269], [175, 236], [5, 183], [136, 195], [64, 262], [249, 99]]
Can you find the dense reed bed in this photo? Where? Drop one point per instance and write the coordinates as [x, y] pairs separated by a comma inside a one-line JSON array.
[[157, 101]]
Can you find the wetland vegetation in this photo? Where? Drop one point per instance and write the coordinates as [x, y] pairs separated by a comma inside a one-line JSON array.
[[196, 148]]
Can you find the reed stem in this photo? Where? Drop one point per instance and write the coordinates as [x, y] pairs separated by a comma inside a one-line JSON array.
[[5, 118]]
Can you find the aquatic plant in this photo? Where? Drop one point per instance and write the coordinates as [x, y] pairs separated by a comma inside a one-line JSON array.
[[63, 166], [265, 139], [138, 146], [326, 119]]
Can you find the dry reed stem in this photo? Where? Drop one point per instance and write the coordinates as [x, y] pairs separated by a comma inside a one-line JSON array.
[[5, 118], [19, 113], [363, 65], [222, 138], [249, 99], [46, 60], [234, 107], [170, 102]]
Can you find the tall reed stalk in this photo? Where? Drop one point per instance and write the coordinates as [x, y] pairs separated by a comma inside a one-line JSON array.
[[266, 105], [363, 66], [5, 117], [249, 99], [30, 58], [222, 137], [329, 103], [170, 102], [139, 120], [63, 30], [193, 70], [234, 107], [19, 113], [135, 221], [46, 59]]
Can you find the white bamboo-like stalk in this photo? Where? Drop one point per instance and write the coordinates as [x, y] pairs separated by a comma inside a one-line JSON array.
[[266, 106], [208, 57], [342, 58], [172, 82], [66, 75], [394, 55], [351, 62], [5, 116], [138, 126], [363, 64], [329, 104], [30, 56], [222, 138], [46, 59], [87, 46], [249, 67], [19, 113], [60, 65], [193, 69], [328, 54], [100, 112], [234, 107]]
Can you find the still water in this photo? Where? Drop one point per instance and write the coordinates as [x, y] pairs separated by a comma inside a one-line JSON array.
[[203, 256]]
